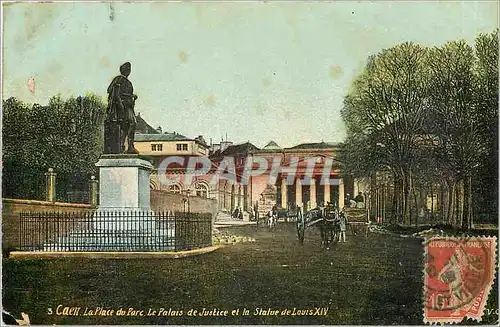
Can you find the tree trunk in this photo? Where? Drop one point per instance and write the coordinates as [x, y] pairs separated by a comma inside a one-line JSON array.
[[441, 203], [385, 189], [406, 199], [451, 204], [460, 204], [417, 206], [467, 208], [395, 208], [377, 207], [471, 205], [432, 205]]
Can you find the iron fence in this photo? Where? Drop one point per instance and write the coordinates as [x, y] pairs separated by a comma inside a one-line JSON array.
[[114, 231]]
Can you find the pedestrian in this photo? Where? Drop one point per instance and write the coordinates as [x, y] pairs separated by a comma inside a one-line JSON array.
[[422, 215], [256, 211], [360, 200], [236, 213], [343, 225]]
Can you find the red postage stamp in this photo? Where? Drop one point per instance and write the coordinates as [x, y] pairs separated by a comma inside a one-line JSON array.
[[458, 275]]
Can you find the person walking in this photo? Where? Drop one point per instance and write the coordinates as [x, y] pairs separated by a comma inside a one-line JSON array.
[[343, 225], [360, 200]]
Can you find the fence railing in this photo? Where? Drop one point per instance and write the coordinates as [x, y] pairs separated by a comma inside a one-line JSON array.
[[114, 231]]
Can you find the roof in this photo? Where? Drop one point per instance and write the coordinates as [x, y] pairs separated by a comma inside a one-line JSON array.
[[321, 145], [160, 137], [242, 148], [272, 145], [143, 127], [239, 148]]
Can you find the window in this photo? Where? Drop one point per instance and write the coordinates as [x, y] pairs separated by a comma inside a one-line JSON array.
[[202, 190], [182, 147], [156, 147], [174, 189]]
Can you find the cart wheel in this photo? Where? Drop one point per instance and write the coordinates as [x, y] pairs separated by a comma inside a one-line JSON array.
[[301, 226]]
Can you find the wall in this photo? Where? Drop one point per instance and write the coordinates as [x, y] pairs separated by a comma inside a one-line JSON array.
[[160, 201], [259, 184], [168, 148], [184, 181], [12, 207], [164, 201]]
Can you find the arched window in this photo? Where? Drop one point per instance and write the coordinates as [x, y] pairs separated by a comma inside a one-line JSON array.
[[175, 188], [202, 190]]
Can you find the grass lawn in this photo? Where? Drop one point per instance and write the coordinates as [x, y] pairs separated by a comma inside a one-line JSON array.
[[369, 280]]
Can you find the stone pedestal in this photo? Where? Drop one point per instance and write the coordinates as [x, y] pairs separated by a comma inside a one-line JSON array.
[[124, 193], [124, 182], [124, 220]]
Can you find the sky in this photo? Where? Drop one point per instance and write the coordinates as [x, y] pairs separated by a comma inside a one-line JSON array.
[[253, 71]]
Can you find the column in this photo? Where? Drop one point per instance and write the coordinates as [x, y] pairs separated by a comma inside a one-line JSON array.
[[298, 192], [93, 191], [50, 186], [312, 193], [233, 198], [240, 202], [327, 191], [284, 193], [341, 193]]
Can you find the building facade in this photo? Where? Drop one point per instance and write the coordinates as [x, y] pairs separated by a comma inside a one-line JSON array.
[[306, 175]]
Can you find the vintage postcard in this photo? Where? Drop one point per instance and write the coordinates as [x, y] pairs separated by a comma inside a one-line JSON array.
[[249, 162]]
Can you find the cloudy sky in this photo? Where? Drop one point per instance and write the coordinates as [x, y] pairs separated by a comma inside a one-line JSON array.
[[256, 71]]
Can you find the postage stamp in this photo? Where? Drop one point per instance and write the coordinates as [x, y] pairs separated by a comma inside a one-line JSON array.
[[458, 275], [231, 162]]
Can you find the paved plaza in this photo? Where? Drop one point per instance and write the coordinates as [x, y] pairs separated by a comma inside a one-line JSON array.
[[375, 279]]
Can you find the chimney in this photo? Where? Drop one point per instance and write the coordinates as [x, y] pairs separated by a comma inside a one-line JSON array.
[[159, 129]]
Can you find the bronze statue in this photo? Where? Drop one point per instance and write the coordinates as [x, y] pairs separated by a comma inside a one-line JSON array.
[[120, 119]]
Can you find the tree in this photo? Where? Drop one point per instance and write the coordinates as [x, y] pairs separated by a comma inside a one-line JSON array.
[[384, 112], [454, 108], [430, 117], [65, 135], [486, 184]]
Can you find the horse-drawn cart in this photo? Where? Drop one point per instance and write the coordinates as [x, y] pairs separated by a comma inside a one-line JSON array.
[[358, 220], [326, 219], [290, 214]]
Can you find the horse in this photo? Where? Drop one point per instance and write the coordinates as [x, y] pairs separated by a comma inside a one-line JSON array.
[[329, 228], [327, 221], [272, 219]]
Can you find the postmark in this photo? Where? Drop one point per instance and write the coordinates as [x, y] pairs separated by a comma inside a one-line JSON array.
[[458, 275]]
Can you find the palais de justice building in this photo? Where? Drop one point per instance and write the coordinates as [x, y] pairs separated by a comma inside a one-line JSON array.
[[306, 189]]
